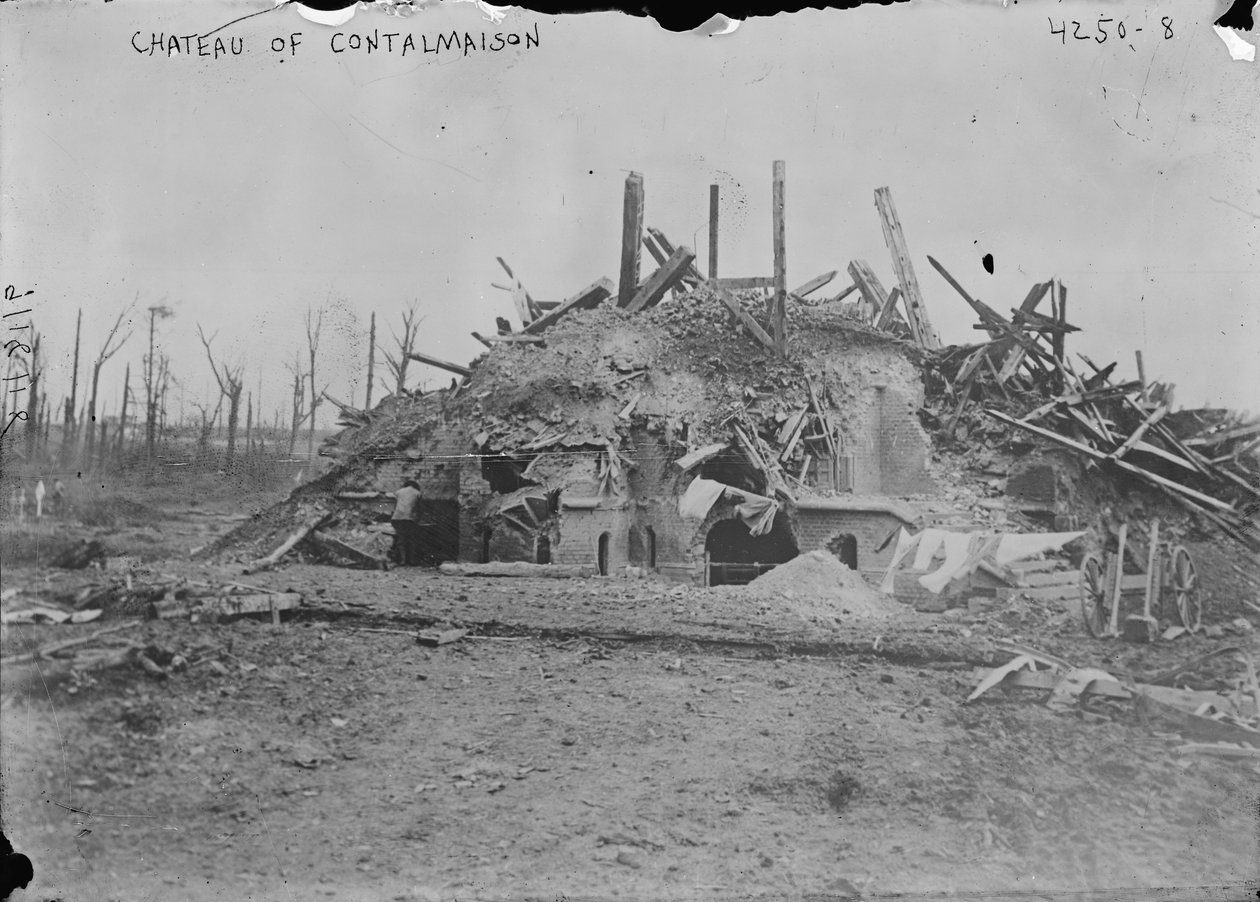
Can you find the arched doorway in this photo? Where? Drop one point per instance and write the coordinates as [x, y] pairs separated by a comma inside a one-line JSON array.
[[486, 535], [650, 534], [736, 556], [542, 549], [603, 554]]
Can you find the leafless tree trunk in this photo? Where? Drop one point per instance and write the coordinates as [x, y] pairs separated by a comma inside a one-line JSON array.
[[69, 434], [151, 378], [367, 404], [108, 350], [32, 402], [231, 384], [249, 426], [406, 344], [298, 406], [122, 416], [312, 345]]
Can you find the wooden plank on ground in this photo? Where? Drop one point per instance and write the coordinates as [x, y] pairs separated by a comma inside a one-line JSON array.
[[514, 338], [266, 563], [346, 550], [631, 238], [665, 276], [516, 569], [591, 296], [912, 296]]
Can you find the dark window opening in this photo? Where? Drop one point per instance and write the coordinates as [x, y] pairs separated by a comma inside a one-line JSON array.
[[651, 546], [731, 468], [437, 538], [542, 550], [505, 472], [737, 557], [603, 554], [845, 548], [485, 545]]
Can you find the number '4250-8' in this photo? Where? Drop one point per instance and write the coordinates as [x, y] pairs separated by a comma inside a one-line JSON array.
[[1104, 28]]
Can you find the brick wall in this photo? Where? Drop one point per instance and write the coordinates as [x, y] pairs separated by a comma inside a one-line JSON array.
[[903, 446], [817, 528], [578, 540]]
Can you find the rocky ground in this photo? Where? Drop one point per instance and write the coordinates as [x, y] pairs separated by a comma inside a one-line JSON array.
[[596, 739]]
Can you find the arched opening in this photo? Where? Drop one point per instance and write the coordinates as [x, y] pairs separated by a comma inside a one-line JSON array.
[[844, 547], [736, 556], [603, 554], [542, 549], [485, 544], [650, 534]]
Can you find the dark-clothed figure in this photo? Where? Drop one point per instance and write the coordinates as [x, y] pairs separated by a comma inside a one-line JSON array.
[[406, 522]]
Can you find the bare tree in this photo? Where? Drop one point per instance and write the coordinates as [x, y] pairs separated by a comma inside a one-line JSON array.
[[298, 407], [312, 346], [367, 404], [108, 350], [32, 403], [406, 345], [69, 432], [152, 379], [231, 384]]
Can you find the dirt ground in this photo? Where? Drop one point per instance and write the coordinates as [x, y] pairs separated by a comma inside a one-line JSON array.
[[596, 739]]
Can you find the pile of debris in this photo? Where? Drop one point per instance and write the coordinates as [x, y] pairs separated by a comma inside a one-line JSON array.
[[1206, 706]]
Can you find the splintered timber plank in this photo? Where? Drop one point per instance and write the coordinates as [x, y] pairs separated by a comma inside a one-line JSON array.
[[590, 296], [1016, 356], [660, 281], [631, 238], [895, 238]]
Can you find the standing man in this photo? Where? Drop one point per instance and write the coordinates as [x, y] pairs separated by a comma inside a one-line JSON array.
[[406, 523]]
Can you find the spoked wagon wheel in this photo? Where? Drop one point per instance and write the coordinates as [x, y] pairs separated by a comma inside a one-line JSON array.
[[1094, 605], [1185, 586]]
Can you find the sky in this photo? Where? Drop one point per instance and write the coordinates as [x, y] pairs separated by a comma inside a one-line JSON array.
[[243, 191]]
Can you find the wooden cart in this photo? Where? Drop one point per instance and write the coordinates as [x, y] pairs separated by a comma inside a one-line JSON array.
[[1169, 581]]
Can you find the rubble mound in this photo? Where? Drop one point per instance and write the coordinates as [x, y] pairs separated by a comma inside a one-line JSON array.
[[818, 586]]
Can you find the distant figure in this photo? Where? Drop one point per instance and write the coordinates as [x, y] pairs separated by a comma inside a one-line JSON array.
[[21, 511], [40, 492], [58, 503], [406, 523]]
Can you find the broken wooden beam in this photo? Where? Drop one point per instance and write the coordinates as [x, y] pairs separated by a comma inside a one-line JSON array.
[[517, 569], [288, 544], [692, 277], [666, 275], [916, 313], [745, 318], [631, 238], [700, 455], [713, 231], [743, 283], [227, 605], [336, 546], [520, 297], [873, 292], [780, 257], [814, 284], [513, 339], [440, 364], [591, 296]]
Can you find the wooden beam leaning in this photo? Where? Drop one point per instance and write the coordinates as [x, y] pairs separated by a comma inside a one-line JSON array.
[[1016, 355], [660, 281], [780, 258], [440, 364], [873, 292], [590, 296], [713, 231], [745, 318], [814, 284], [912, 297], [631, 238], [692, 276]]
